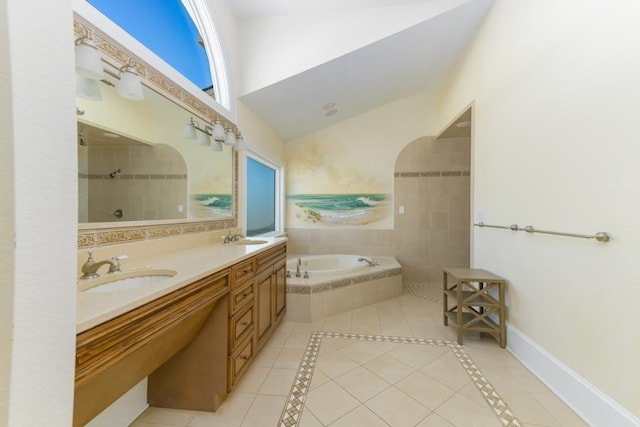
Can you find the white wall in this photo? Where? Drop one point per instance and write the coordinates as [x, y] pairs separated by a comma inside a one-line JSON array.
[[39, 227], [276, 47], [555, 86]]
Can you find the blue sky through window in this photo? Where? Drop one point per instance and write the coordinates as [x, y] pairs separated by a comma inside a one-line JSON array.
[[165, 28]]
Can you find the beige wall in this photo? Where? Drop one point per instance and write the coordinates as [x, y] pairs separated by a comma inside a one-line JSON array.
[[432, 185], [555, 92]]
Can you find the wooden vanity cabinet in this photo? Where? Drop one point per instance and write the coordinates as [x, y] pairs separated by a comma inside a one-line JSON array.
[[271, 294], [242, 315], [183, 340], [175, 340]]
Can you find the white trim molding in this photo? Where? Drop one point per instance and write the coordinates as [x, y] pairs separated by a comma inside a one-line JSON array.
[[594, 406]]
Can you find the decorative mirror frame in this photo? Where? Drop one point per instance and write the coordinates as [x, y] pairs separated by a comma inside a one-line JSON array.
[[91, 235]]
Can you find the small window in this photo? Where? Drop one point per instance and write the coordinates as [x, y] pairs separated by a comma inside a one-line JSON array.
[[263, 187], [165, 28]]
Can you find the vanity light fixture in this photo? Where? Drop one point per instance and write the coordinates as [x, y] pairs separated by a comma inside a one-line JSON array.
[[88, 59], [130, 86], [88, 89], [216, 145], [230, 137], [241, 145], [203, 138], [189, 131], [218, 133], [207, 135], [202, 135]]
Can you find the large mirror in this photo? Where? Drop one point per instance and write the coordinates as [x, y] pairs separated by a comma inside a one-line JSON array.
[[135, 166]]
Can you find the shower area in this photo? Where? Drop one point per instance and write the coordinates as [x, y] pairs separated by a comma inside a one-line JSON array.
[[432, 205]]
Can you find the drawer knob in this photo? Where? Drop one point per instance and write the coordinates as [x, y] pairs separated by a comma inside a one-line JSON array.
[[245, 357], [245, 294], [245, 323]]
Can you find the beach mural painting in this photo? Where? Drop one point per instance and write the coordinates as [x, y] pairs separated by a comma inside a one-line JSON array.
[[217, 206], [340, 209], [336, 181]]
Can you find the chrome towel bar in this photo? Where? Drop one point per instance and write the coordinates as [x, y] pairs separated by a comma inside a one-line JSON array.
[[601, 236]]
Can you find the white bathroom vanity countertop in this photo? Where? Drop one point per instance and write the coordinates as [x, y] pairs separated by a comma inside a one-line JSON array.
[[190, 264]]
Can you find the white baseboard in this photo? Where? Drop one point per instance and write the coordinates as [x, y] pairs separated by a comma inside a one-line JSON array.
[[594, 406], [125, 410]]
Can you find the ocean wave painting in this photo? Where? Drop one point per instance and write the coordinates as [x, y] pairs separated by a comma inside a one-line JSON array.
[[215, 205], [345, 209]]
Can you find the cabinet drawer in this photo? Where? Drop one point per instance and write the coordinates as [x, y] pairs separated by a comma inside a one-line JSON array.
[[267, 258], [240, 297], [239, 362], [242, 271], [239, 327]]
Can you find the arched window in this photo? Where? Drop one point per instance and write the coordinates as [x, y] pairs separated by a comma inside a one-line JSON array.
[[178, 31]]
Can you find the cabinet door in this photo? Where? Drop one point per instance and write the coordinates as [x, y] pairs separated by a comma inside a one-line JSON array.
[[265, 314], [280, 277]]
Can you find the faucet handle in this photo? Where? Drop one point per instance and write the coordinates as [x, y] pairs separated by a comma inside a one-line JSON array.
[[90, 258], [115, 263]]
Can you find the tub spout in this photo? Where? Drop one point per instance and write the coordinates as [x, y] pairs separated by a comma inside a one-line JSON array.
[[371, 263], [298, 267]]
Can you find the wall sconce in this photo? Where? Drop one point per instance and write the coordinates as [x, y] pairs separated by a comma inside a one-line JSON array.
[[88, 59], [129, 86]]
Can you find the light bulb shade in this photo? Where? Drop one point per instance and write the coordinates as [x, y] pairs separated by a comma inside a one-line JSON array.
[[241, 145], [189, 132], [230, 138], [218, 131], [129, 86], [216, 145], [203, 138], [88, 59], [88, 89]]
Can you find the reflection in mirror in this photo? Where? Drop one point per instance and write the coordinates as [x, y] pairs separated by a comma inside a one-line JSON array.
[[134, 163]]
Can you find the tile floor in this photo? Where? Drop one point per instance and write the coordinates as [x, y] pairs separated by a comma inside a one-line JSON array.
[[360, 375]]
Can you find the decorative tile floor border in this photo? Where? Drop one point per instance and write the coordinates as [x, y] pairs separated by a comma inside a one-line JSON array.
[[294, 406]]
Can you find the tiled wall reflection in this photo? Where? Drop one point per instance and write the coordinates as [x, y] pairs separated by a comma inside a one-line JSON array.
[[144, 182]]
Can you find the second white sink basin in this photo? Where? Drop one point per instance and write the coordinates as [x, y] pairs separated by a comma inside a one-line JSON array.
[[128, 281]]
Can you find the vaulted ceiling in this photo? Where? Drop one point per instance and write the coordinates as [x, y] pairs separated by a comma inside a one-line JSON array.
[[409, 60]]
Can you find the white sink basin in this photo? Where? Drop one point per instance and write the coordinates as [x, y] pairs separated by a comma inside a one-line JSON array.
[[128, 281], [249, 242]]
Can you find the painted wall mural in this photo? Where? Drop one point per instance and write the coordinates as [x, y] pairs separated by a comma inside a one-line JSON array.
[[330, 184], [340, 209]]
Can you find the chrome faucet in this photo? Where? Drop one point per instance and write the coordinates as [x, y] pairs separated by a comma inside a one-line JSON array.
[[90, 267], [371, 263], [232, 237], [298, 267]]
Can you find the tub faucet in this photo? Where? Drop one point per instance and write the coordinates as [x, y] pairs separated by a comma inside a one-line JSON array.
[[90, 267], [371, 263], [298, 267]]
